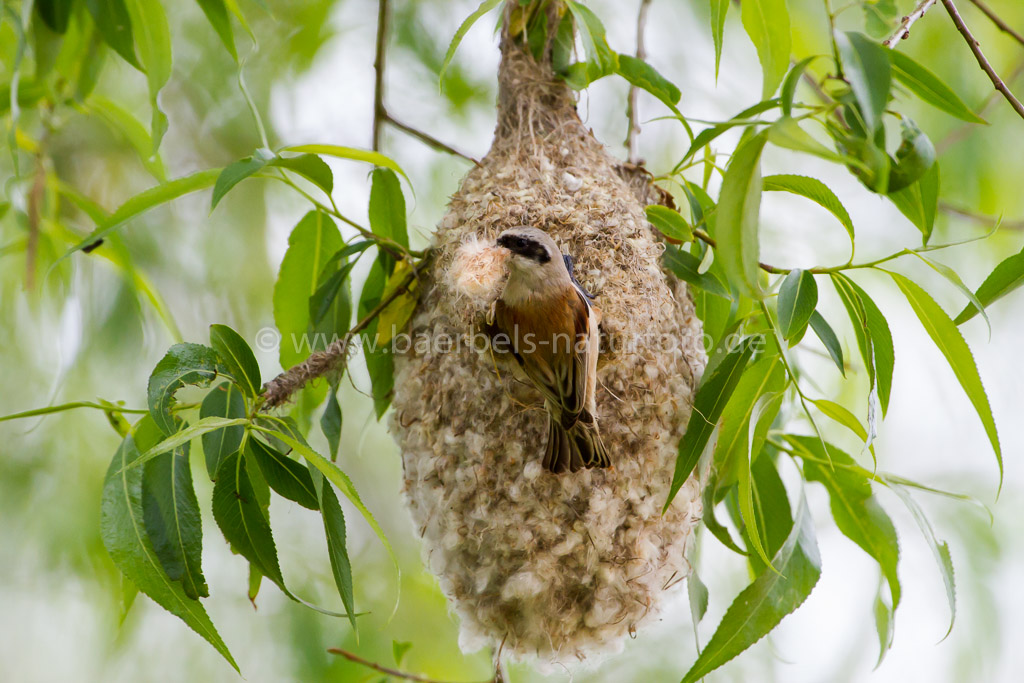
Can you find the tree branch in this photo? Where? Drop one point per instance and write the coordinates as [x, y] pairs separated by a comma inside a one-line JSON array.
[[280, 389], [631, 104], [903, 31], [998, 21], [378, 73], [972, 43], [425, 138], [352, 657]]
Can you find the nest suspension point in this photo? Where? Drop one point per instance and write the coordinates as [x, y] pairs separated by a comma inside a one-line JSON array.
[[556, 567]]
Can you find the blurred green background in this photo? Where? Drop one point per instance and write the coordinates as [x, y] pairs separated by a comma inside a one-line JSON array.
[[84, 330]]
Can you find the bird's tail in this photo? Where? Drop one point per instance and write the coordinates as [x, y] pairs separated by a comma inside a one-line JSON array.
[[574, 448]]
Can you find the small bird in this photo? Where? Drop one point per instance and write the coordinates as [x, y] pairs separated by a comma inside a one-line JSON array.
[[551, 327]]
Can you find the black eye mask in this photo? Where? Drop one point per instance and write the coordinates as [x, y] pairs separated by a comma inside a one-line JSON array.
[[525, 247]]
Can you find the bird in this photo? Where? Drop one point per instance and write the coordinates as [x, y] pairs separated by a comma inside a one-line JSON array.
[[550, 325]]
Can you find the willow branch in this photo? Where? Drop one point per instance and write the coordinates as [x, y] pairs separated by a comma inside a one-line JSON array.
[[280, 389], [378, 73], [903, 31], [631, 104], [998, 21], [972, 43], [425, 138], [352, 657], [980, 218]]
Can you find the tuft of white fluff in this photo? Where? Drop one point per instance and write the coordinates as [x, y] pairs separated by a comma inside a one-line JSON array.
[[478, 271]]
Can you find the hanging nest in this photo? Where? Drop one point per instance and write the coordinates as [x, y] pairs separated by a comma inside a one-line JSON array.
[[557, 567]]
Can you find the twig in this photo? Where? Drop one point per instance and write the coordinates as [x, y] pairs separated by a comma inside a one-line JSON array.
[[425, 138], [380, 110], [998, 21], [378, 73], [972, 43], [980, 218], [631, 104], [352, 657], [965, 129], [712, 242], [904, 30], [278, 390]]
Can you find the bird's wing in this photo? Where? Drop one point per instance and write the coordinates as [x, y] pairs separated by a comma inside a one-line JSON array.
[[564, 380]]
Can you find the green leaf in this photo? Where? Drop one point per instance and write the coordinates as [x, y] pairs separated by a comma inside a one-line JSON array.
[[828, 337], [844, 417], [855, 509], [226, 401], [880, 17], [770, 504], [873, 336], [217, 14], [697, 593], [193, 431], [919, 201], [146, 200], [237, 357], [485, 7], [601, 59], [867, 67], [379, 363], [286, 476], [947, 338], [398, 650], [115, 25], [719, 8], [767, 24], [792, 79], [55, 13], [329, 290], [953, 278], [351, 153], [236, 173], [798, 297], [124, 123], [759, 608], [183, 364], [331, 422], [154, 43], [396, 315], [669, 223], [387, 207], [818, 192], [242, 520], [125, 538], [309, 166], [334, 528], [708, 135], [930, 88], [763, 377], [685, 266], [915, 156], [787, 133], [171, 517], [646, 77], [342, 482], [940, 549], [884, 625], [49, 410], [738, 215], [715, 390], [311, 245], [1006, 277]]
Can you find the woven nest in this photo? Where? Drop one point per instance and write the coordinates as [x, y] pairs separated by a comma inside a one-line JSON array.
[[557, 567]]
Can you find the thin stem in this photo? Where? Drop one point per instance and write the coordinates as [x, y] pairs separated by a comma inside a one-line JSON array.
[[252, 106], [832, 37], [379, 114], [352, 657], [998, 21], [980, 218], [425, 138], [903, 31], [966, 128], [631, 103], [972, 43]]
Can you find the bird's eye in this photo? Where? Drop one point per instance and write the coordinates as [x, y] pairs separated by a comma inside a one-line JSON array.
[[520, 242]]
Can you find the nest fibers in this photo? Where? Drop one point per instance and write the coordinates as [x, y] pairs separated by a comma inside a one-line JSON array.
[[556, 567]]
